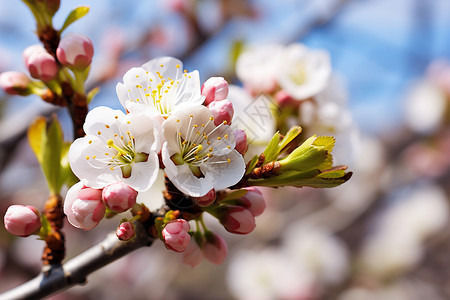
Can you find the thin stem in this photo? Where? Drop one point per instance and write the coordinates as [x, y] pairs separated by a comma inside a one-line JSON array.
[[205, 229], [58, 278]]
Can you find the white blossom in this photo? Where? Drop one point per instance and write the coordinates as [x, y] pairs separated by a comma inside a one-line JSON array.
[[160, 87], [268, 275], [318, 251], [258, 67], [117, 147], [304, 72], [198, 155], [425, 107], [397, 243]]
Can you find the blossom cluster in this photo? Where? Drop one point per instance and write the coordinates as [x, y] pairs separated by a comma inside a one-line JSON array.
[[171, 122], [302, 85], [175, 124]]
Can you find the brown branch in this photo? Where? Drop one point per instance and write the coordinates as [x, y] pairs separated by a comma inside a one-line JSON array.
[[58, 278], [55, 249]]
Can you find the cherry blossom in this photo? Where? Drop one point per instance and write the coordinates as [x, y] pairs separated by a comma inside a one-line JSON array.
[[305, 72], [199, 155], [117, 147], [160, 87]]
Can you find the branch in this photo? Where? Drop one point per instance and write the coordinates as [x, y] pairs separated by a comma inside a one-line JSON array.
[[76, 270]]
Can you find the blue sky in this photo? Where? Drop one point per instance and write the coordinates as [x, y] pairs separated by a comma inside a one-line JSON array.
[[379, 46]]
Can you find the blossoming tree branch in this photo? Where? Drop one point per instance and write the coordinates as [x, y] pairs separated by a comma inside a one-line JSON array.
[[171, 122]]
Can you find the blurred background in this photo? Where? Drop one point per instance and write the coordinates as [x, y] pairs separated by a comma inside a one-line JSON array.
[[382, 235]]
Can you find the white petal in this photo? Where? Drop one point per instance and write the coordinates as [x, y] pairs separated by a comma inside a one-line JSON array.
[[188, 91], [103, 121], [129, 90], [91, 171], [143, 174], [71, 196], [169, 66], [225, 174]]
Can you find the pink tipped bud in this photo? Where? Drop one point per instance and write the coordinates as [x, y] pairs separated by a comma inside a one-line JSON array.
[[193, 255], [84, 206], [284, 99], [215, 89], [15, 83], [215, 249], [37, 48], [222, 111], [119, 196], [237, 219], [206, 200], [22, 220], [253, 201], [241, 141], [176, 236], [75, 51], [42, 65], [125, 231]]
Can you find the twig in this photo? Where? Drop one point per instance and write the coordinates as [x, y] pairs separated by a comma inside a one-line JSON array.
[[61, 277]]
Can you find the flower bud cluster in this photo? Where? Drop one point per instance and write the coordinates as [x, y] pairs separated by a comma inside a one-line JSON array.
[[85, 207], [237, 215], [74, 51]]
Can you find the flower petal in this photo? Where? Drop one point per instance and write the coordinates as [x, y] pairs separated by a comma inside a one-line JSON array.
[[225, 173]]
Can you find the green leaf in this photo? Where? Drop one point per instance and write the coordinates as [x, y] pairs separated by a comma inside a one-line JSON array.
[[74, 15], [314, 153], [45, 227], [36, 136], [289, 137], [272, 150], [251, 165], [236, 49], [313, 178], [67, 177], [325, 141], [51, 156], [92, 93]]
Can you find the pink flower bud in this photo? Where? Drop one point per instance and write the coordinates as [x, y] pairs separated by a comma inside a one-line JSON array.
[[284, 99], [193, 255], [253, 201], [119, 196], [206, 200], [176, 236], [84, 206], [215, 89], [75, 51], [125, 231], [222, 111], [241, 141], [15, 83], [215, 249], [237, 219], [42, 65], [22, 220], [37, 48]]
